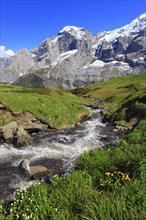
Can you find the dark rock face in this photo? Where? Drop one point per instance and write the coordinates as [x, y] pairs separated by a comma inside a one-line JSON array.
[[66, 42], [75, 58]]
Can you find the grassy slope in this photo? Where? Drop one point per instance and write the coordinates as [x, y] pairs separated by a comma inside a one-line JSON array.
[[58, 108], [119, 95]]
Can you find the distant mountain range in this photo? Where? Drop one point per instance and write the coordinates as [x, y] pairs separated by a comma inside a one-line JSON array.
[[75, 58]]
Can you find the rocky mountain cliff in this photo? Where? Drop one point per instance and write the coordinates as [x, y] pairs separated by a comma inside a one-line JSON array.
[[75, 58]]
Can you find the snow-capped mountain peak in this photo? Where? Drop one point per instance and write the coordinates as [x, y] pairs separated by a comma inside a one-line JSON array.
[[134, 27], [78, 32]]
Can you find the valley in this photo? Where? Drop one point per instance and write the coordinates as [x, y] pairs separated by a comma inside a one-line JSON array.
[[73, 126]]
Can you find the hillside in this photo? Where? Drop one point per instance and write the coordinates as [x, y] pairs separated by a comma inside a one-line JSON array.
[[123, 99], [57, 108]]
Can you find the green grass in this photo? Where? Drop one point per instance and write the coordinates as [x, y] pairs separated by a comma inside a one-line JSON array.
[[122, 98], [109, 184], [58, 108]]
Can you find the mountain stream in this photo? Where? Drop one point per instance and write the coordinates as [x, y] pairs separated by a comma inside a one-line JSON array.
[[57, 151]]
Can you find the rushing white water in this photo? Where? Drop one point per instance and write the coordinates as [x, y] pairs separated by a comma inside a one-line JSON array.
[[66, 146], [63, 145]]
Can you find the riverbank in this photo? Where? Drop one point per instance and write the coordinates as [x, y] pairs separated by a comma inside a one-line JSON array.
[[109, 184], [123, 99], [25, 112], [59, 109]]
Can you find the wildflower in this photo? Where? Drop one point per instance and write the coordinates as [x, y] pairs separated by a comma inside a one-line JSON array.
[[107, 173], [126, 177], [99, 193], [120, 173]]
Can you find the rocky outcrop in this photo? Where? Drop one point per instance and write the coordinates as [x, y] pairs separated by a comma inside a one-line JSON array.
[[22, 126], [12, 133], [75, 58]]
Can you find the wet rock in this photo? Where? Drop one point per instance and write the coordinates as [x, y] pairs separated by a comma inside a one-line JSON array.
[[24, 169], [34, 127], [38, 171], [32, 172], [47, 179], [22, 138], [9, 131]]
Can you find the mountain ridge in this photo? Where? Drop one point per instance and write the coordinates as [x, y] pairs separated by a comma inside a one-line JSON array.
[[75, 58]]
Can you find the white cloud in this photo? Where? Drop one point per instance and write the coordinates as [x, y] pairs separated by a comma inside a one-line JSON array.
[[6, 53]]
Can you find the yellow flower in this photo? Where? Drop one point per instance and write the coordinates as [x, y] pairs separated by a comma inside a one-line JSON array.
[[126, 177], [107, 174]]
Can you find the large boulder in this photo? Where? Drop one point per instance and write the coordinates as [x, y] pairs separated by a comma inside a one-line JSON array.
[[39, 171], [9, 131]]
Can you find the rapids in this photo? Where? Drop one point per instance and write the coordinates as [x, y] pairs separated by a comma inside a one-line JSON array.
[[57, 150]]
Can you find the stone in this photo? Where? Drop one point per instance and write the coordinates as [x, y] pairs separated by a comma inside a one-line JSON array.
[[9, 130], [34, 127], [38, 171], [24, 169], [32, 171], [22, 138], [133, 122]]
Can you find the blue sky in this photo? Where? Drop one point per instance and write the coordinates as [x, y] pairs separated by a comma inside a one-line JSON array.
[[25, 24]]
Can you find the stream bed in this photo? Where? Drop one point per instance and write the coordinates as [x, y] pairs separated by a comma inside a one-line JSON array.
[[57, 151]]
